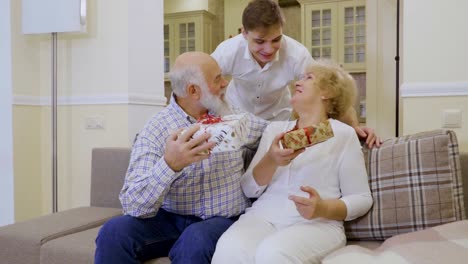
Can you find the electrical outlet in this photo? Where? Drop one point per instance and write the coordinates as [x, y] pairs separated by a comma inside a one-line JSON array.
[[451, 118], [94, 122]]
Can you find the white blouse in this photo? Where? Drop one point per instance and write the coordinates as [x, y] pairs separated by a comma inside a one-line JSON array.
[[335, 168]]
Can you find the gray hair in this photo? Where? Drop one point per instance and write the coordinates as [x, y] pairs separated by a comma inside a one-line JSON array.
[[183, 76]]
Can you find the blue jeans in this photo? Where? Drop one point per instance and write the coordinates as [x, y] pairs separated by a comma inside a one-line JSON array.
[[185, 239]]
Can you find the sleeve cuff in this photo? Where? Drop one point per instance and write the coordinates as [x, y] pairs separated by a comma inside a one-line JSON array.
[[357, 205], [250, 187], [169, 174]]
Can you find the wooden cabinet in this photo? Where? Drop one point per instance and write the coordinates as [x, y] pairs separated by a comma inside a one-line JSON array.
[[186, 31], [352, 34], [336, 30]]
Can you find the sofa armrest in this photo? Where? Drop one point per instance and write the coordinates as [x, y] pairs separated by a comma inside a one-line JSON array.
[[464, 172], [21, 242]]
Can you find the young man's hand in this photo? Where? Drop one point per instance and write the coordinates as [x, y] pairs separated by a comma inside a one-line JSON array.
[[369, 135]]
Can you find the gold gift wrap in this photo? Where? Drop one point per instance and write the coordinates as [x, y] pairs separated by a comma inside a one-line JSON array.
[[308, 136]]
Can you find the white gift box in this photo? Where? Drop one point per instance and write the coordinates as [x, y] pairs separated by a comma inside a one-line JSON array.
[[229, 133]]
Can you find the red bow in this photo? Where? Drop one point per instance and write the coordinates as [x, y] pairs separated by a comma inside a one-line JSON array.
[[209, 119]]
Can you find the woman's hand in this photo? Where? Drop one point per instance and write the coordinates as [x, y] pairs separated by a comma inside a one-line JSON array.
[[311, 207], [274, 157], [314, 206], [281, 157]]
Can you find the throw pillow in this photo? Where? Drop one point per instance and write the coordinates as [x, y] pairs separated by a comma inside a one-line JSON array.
[[415, 182]]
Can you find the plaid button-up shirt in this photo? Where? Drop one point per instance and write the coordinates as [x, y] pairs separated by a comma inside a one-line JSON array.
[[205, 189]]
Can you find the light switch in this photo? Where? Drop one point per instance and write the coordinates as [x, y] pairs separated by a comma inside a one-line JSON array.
[[451, 118], [94, 122]]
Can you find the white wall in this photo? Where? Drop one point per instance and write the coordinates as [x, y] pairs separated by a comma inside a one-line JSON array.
[[27, 120], [233, 16], [381, 72], [435, 76], [435, 40], [172, 6], [145, 62], [113, 72], [6, 137]]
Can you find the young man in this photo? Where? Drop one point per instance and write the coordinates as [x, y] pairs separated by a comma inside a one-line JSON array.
[[176, 201], [263, 62]]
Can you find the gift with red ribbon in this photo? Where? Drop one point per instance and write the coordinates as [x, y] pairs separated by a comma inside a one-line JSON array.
[[228, 132], [308, 136]]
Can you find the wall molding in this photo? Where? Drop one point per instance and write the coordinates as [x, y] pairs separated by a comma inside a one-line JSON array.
[[417, 89], [109, 99]]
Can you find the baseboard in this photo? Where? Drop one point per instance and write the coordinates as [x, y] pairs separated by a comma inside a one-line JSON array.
[[129, 99], [434, 89]]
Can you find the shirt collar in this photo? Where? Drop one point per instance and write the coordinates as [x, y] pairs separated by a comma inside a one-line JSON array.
[[179, 111]]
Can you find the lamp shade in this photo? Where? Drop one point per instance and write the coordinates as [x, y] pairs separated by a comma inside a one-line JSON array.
[[48, 16]]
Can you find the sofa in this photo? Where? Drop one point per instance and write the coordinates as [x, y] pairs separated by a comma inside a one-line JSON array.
[[416, 181]]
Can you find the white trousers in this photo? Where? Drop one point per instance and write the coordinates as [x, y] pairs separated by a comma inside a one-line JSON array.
[[252, 239]]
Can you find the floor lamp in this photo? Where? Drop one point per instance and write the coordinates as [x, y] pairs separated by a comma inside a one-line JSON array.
[[53, 17], [397, 65]]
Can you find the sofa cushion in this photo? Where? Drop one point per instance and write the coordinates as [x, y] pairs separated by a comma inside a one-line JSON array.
[[446, 243], [74, 248], [415, 183], [20, 242], [77, 248]]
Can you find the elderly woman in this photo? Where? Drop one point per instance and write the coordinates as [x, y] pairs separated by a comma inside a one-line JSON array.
[[303, 195]]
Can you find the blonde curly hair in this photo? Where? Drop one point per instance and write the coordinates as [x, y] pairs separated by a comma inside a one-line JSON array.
[[339, 86]]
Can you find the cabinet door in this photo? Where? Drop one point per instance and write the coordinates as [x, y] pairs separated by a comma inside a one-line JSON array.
[[186, 31], [352, 34], [168, 44], [321, 30], [186, 36], [180, 35]]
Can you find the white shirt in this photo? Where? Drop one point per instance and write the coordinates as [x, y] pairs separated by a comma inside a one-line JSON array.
[[261, 91], [335, 168]]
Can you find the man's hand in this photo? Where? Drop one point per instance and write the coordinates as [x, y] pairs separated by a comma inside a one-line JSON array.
[[182, 150], [369, 135]]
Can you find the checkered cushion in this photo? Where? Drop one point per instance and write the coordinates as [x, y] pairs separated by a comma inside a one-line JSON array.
[[415, 182]]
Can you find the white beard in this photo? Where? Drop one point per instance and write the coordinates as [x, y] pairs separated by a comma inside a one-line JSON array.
[[215, 103]]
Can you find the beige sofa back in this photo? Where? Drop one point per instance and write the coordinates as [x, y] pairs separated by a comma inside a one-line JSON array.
[[108, 169], [109, 166]]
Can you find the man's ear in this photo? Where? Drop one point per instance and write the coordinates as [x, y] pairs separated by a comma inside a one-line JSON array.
[[244, 33], [194, 91]]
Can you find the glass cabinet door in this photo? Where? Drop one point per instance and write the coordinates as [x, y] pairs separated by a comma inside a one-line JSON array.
[[185, 32], [167, 48], [353, 34], [186, 37], [321, 31]]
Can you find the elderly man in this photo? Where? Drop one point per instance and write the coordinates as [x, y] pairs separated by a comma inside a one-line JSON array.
[[176, 201]]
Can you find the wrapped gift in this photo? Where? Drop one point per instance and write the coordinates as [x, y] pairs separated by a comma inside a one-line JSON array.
[[228, 132], [308, 136]]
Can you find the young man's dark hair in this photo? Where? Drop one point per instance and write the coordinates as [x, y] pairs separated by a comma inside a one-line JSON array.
[[262, 14]]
